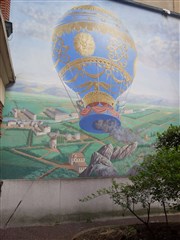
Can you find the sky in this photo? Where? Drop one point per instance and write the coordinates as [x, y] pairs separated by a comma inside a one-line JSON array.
[[156, 38]]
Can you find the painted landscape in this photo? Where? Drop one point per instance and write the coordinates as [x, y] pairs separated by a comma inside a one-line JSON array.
[[32, 123]]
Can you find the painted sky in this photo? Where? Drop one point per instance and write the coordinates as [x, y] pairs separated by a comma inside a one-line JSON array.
[[156, 38]]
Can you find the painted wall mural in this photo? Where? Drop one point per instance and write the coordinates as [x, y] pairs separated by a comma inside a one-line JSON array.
[[115, 86]]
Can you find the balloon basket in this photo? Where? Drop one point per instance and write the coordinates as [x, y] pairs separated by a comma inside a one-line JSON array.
[[89, 116]]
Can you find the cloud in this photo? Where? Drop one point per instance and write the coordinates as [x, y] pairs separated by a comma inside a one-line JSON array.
[[159, 53], [38, 19]]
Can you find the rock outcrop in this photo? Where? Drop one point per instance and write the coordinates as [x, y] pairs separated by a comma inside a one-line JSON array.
[[101, 165]]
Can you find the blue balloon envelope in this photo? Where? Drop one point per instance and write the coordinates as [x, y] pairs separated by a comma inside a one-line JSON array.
[[95, 56]]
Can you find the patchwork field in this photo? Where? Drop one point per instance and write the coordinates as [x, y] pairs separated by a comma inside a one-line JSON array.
[[26, 155], [15, 166]]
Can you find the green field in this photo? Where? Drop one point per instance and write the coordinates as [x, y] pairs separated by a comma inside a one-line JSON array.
[[34, 102], [14, 138], [144, 123], [140, 114], [62, 173], [14, 166], [37, 152], [40, 140], [65, 150]]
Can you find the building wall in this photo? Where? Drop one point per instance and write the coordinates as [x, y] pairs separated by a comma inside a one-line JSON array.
[[6, 69], [172, 5], [5, 8], [2, 91], [54, 201]]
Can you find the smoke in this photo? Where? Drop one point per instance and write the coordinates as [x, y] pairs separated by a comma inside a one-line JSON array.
[[125, 135]]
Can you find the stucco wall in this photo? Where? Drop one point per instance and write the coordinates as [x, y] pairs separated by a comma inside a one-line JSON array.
[[2, 91], [53, 201]]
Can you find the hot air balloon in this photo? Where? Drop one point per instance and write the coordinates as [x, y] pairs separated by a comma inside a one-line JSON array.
[[94, 55]]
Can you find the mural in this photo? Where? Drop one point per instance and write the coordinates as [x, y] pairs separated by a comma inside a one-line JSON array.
[[115, 86]]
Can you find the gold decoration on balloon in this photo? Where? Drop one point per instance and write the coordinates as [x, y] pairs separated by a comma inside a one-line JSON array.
[[90, 26], [98, 96], [72, 79], [106, 64], [95, 85], [84, 72], [96, 9], [60, 51], [118, 52], [84, 44]]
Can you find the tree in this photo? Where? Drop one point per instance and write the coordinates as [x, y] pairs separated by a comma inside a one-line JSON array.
[[169, 138], [127, 196], [160, 174], [157, 179]]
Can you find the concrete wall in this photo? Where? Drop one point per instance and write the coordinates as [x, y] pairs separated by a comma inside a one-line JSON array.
[[53, 201]]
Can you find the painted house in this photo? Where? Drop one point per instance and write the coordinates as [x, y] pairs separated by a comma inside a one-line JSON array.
[[29, 114], [76, 158], [128, 111], [80, 167], [60, 115], [15, 112], [40, 130], [53, 142], [57, 114], [68, 136], [74, 115], [11, 123], [77, 136]]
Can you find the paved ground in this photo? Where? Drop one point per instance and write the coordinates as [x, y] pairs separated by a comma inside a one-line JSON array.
[[67, 230]]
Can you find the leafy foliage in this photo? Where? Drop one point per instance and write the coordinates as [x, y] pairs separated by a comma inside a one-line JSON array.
[[169, 138], [157, 179]]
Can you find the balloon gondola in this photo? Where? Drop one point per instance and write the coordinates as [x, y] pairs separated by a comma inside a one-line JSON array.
[[94, 55]]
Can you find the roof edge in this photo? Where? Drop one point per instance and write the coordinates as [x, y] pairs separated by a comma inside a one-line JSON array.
[[5, 53], [148, 8]]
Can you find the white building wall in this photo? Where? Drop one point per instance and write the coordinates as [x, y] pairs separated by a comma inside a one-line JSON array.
[[53, 201], [2, 91]]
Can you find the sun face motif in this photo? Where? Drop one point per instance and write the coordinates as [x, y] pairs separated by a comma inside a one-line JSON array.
[[84, 44]]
